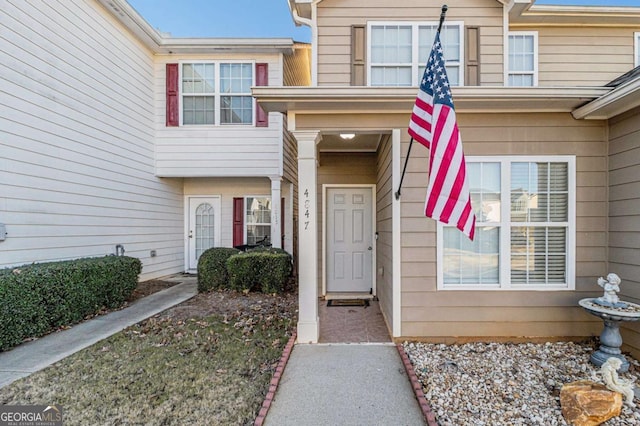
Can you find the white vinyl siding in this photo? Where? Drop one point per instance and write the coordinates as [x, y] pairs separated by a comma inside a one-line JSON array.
[[398, 51], [76, 157], [229, 150], [216, 93], [525, 211], [523, 59]]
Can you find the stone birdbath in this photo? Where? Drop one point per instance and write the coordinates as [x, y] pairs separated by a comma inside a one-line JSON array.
[[613, 312]]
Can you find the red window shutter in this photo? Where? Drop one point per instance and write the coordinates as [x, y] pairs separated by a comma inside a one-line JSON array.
[[238, 221], [172, 95], [262, 79]]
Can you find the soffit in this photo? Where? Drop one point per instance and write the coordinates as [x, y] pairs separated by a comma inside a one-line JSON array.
[[348, 100], [551, 15]]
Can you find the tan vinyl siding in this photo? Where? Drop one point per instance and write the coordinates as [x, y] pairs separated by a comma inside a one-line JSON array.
[[290, 155], [341, 168], [297, 66], [384, 227], [624, 213], [290, 174], [76, 157], [430, 313], [583, 56], [336, 18]]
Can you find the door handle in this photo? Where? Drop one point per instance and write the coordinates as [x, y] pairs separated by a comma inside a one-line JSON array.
[[190, 233], [370, 248]]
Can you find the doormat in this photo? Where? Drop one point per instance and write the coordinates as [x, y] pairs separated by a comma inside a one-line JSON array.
[[348, 302]]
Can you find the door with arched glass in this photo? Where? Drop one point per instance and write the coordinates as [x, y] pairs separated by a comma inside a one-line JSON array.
[[203, 228]]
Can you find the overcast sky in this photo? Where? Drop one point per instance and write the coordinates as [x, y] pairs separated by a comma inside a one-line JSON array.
[[255, 18]]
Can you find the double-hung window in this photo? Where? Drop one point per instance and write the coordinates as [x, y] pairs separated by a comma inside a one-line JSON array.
[[257, 219], [523, 59], [398, 52], [216, 93], [525, 227]]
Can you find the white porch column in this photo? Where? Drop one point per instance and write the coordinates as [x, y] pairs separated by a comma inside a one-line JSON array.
[[308, 324], [276, 214]]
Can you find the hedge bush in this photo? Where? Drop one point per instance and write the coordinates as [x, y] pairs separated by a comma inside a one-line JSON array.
[[212, 268], [266, 270], [38, 298]]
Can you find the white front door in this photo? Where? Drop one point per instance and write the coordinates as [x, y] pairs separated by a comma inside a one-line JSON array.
[[349, 236], [203, 227]]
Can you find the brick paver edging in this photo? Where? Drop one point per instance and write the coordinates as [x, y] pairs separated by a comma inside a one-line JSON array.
[[275, 380], [427, 412]]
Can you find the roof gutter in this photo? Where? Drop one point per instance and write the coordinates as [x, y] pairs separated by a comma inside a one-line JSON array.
[[299, 20], [620, 100], [158, 43], [348, 99]]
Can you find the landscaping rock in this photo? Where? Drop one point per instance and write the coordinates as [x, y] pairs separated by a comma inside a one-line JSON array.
[[506, 384], [585, 403]]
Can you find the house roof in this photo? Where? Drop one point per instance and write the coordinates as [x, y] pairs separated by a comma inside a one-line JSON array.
[[525, 13], [161, 43], [485, 99], [624, 97], [624, 78]]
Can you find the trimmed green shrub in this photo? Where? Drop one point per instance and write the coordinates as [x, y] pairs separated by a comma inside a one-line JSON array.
[[212, 268], [266, 270], [38, 298]]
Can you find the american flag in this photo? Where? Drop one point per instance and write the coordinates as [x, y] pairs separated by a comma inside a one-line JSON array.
[[433, 124]]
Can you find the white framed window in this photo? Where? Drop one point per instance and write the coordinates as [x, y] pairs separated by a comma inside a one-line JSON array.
[[636, 49], [523, 59], [525, 227], [257, 223], [216, 93], [398, 52]]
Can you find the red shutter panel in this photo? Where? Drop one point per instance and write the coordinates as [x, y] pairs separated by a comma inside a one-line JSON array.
[[262, 79], [238, 221], [172, 95]]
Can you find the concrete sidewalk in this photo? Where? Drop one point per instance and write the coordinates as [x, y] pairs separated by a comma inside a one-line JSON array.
[[38, 354], [344, 385]]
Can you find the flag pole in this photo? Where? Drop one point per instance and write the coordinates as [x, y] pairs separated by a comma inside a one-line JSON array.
[[443, 13], [404, 169]]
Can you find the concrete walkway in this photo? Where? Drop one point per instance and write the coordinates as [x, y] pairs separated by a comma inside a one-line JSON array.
[[38, 354], [344, 385]]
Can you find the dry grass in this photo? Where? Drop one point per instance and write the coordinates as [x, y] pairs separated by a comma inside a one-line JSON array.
[[171, 369]]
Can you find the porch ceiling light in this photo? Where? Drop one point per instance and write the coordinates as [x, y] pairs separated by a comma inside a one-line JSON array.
[[347, 136]]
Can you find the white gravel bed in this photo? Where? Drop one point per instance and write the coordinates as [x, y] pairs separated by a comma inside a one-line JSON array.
[[506, 384]]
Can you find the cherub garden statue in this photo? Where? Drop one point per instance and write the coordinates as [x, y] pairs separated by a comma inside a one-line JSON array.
[[611, 287], [609, 371]]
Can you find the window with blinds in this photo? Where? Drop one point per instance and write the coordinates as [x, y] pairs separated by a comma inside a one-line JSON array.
[[525, 227]]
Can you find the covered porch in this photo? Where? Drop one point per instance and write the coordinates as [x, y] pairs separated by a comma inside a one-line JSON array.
[[404, 248]]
